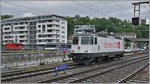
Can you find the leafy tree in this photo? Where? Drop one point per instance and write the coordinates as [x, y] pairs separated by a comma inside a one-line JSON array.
[[6, 17], [112, 24], [142, 31]]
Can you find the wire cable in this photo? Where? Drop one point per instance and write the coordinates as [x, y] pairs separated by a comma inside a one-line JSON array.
[[90, 8], [23, 6]]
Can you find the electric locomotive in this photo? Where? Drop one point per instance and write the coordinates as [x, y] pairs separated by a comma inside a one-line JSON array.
[[90, 48]]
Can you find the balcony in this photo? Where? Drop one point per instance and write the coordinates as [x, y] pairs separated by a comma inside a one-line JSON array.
[[53, 37], [54, 28]]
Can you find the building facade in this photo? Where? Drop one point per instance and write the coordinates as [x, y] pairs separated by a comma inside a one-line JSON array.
[[37, 30], [126, 35], [82, 29]]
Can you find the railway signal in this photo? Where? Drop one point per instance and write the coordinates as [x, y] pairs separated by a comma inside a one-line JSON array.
[[135, 21]]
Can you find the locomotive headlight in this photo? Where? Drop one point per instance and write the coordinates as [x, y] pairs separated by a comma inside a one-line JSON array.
[[72, 51]]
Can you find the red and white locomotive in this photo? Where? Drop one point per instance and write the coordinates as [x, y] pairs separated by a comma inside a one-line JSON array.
[[89, 48]]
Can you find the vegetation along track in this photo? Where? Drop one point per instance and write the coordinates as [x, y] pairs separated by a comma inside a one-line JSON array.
[[86, 74], [22, 75]]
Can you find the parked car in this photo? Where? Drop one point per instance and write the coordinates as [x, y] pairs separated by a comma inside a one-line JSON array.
[[128, 50], [141, 49], [135, 50]]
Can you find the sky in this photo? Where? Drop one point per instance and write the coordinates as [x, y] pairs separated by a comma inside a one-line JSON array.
[[118, 9]]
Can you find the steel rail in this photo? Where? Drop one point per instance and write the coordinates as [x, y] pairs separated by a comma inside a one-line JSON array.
[[124, 80], [77, 73]]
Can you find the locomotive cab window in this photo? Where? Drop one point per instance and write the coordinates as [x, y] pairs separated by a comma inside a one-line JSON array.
[[95, 41], [84, 40], [75, 40], [91, 40]]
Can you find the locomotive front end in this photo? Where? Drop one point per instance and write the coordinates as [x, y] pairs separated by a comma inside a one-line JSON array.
[[82, 47]]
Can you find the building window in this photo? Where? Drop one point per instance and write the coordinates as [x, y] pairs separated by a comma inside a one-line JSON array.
[[27, 27], [5, 36], [63, 36], [63, 27], [21, 41], [63, 22], [23, 27], [40, 41], [63, 31], [22, 36], [43, 21], [63, 40], [39, 36], [39, 26], [57, 26], [49, 35], [57, 20], [49, 20], [49, 30], [39, 31], [49, 25], [43, 26], [49, 40], [7, 28]]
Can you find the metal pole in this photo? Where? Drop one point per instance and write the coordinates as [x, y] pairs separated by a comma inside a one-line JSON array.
[[135, 37], [38, 49], [124, 31]]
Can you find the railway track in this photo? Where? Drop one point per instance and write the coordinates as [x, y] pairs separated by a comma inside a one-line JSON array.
[[91, 72], [15, 73], [18, 75], [6, 71], [22, 75], [20, 72], [129, 77]]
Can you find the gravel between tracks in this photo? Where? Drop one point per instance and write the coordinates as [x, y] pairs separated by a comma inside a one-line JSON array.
[[142, 76], [49, 75], [115, 75]]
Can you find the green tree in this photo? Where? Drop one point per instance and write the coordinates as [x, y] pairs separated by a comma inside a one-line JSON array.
[[112, 24], [6, 17]]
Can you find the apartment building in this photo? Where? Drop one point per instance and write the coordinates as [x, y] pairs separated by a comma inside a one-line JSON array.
[[37, 30]]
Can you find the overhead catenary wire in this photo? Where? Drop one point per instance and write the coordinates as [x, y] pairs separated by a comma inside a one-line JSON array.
[[90, 8], [23, 6], [74, 8], [11, 9], [123, 8], [147, 10]]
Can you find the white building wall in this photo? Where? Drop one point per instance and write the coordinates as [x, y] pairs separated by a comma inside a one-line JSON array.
[[49, 36]]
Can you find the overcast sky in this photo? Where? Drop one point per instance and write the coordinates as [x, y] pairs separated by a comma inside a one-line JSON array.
[[119, 9]]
